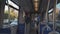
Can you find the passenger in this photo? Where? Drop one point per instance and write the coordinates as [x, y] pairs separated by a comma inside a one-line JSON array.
[[27, 19], [38, 18]]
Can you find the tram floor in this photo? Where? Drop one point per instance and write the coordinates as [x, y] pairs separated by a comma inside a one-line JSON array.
[[32, 31]]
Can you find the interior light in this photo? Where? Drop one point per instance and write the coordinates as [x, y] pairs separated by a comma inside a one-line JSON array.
[[36, 4]]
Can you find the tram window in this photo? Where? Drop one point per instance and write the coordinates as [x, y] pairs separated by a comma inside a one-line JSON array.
[[58, 16], [13, 14], [13, 17], [58, 12]]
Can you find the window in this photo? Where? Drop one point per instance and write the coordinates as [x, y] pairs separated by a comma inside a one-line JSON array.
[[10, 15], [13, 16]]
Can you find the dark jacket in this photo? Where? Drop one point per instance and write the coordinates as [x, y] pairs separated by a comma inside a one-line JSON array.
[[27, 19]]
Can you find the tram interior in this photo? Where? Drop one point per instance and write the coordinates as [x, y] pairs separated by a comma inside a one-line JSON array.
[[29, 16]]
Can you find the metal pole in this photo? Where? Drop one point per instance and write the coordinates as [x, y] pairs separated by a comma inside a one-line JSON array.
[[47, 20], [54, 10]]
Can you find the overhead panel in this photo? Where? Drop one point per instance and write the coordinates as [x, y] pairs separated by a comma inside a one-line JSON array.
[[25, 4]]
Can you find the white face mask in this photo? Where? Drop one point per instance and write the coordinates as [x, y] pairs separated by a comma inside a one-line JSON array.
[[36, 18]]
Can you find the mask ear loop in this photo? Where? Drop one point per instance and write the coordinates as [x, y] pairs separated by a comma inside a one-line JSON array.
[[47, 19], [54, 19]]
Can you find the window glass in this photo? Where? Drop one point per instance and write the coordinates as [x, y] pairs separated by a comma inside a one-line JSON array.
[[58, 16], [10, 18], [13, 16]]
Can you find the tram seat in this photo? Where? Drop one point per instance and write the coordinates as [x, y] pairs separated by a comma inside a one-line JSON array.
[[45, 31], [5, 30], [41, 26], [21, 28]]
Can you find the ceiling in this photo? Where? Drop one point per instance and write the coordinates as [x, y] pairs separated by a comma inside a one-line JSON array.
[[28, 4], [25, 4]]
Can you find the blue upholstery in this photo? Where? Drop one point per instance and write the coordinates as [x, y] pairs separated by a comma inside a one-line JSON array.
[[5, 30], [21, 29], [45, 31], [41, 26]]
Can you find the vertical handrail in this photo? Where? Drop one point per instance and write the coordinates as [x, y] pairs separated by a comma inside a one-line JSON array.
[[46, 17], [54, 15]]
